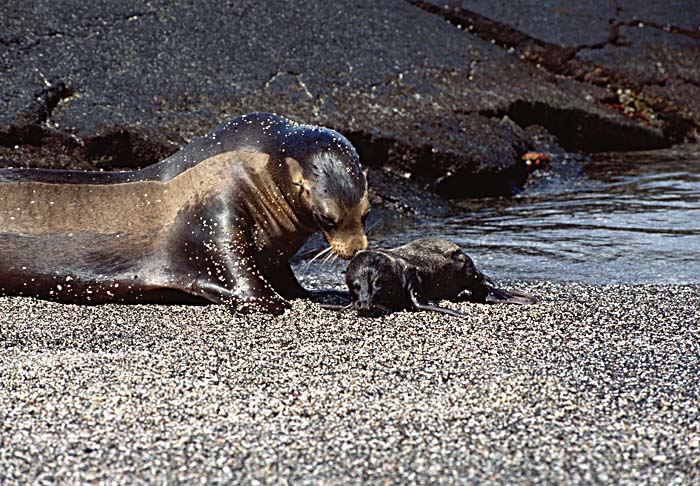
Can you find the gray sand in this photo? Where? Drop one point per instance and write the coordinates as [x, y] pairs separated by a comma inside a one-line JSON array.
[[596, 384]]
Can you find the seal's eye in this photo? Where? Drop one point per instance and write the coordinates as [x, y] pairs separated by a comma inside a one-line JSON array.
[[327, 222], [303, 191]]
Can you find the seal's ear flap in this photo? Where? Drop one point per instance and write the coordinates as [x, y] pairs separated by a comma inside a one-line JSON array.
[[296, 174]]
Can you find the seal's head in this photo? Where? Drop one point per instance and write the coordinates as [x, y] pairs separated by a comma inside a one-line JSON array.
[[332, 188], [324, 173]]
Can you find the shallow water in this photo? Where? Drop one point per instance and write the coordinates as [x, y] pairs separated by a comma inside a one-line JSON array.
[[625, 218]]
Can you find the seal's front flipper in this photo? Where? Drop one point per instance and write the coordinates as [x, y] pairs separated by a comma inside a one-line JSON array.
[[260, 299], [255, 294], [230, 276], [285, 283], [500, 296], [465, 295], [274, 306]]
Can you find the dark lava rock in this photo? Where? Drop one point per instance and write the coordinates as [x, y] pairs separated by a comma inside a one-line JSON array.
[[645, 54], [109, 85], [660, 67], [558, 22]]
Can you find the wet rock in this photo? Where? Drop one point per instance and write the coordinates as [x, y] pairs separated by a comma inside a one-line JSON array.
[[120, 86], [648, 49], [551, 22], [673, 15], [659, 67], [398, 193]]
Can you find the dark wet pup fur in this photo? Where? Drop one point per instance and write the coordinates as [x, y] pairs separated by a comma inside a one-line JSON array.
[[414, 275]]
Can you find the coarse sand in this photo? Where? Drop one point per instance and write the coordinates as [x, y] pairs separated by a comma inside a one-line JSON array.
[[594, 384]]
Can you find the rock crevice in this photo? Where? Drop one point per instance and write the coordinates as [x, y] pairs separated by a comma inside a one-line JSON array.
[[441, 105]]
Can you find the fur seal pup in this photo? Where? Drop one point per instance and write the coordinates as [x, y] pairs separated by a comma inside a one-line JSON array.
[[214, 223], [413, 275]]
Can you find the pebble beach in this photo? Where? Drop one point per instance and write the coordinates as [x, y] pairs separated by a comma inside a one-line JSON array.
[[594, 384]]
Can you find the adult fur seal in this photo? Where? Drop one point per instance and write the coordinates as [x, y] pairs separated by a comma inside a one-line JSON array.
[[216, 222], [413, 275]]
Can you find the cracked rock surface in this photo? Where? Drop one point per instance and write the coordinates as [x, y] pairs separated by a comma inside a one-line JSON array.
[[123, 85], [644, 54], [593, 385]]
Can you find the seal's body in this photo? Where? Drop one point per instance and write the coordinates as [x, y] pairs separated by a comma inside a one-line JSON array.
[[424, 270], [216, 222]]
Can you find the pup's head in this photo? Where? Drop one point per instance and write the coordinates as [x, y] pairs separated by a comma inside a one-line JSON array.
[[365, 279]]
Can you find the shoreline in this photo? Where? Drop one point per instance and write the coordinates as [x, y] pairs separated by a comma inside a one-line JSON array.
[[596, 383]]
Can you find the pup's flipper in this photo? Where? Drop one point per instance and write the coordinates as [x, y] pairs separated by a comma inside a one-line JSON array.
[[328, 299], [500, 296], [336, 307], [425, 306]]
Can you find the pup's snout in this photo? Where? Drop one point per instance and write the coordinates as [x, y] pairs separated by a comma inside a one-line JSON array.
[[366, 309]]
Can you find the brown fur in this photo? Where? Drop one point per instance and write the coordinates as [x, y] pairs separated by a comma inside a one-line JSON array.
[[207, 222]]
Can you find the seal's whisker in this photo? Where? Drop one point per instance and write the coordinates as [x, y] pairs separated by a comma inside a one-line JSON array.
[[370, 228], [318, 255], [311, 252], [323, 260], [330, 261], [328, 258]]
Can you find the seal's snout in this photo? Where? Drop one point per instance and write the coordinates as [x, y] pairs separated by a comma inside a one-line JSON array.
[[346, 248]]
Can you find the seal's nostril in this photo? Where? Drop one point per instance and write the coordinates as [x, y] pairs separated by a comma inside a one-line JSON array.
[[359, 247]]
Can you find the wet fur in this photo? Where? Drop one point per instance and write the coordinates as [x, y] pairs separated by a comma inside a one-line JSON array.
[[424, 270], [216, 222]]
